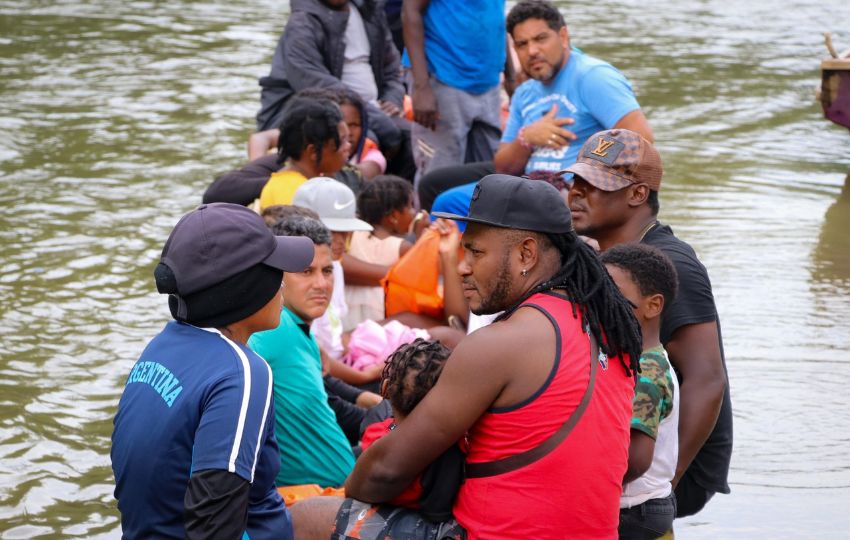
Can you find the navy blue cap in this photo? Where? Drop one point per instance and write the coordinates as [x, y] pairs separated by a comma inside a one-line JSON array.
[[219, 240], [510, 202]]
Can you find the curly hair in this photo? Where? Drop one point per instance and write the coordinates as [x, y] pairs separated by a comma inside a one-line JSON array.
[[535, 9], [411, 371], [277, 212], [381, 195], [296, 225], [651, 270], [308, 121]]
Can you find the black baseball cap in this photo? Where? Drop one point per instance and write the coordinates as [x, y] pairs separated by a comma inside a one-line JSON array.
[[216, 241], [510, 202]]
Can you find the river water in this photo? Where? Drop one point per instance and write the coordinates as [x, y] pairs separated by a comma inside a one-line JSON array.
[[114, 116]]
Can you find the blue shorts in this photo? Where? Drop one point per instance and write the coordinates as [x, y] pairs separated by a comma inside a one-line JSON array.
[[360, 520]]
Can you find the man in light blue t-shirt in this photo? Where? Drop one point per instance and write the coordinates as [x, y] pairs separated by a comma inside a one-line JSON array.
[[569, 96]]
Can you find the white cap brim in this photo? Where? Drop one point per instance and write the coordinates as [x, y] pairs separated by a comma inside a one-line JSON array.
[[346, 224]]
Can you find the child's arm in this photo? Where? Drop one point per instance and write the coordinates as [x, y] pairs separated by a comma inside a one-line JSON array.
[[652, 403], [641, 450], [360, 272], [353, 376]]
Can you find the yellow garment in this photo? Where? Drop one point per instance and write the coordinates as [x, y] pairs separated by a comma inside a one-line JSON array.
[[281, 187]]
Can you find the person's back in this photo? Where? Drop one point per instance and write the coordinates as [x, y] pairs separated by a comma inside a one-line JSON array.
[[583, 473], [158, 485], [193, 447], [694, 304]]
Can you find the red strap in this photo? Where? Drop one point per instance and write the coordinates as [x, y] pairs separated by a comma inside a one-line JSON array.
[[517, 461]]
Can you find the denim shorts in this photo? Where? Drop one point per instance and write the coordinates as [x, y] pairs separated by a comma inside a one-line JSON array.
[[649, 520], [360, 520]]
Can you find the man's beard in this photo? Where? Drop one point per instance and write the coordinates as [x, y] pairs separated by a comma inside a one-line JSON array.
[[498, 299]]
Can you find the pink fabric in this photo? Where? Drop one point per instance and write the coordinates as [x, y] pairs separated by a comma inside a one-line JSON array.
[[372, 343], [374, 155]]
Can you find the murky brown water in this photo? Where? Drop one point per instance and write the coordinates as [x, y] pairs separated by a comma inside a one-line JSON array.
[[115, 115]]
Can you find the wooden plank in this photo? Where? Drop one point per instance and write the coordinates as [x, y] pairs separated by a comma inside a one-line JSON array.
[[835, 63]]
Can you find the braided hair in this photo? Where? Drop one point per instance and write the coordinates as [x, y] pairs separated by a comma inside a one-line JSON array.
[[308, 121], [604, 310], [411, 371], [381, 195]]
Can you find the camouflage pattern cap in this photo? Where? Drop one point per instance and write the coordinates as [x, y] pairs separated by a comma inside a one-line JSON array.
[[613, 159]]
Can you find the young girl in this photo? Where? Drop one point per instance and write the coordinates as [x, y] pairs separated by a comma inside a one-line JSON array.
[[409, 374], [365, 155], [386, 203], [313, 142]]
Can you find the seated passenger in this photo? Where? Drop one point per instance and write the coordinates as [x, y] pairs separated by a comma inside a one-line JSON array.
[[365, 157], [337, 44], [386, 203], [408, 375], [313, 447], [313, 142], [193, 450]]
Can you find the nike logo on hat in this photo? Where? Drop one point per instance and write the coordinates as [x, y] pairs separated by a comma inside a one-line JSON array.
[[338, 206]]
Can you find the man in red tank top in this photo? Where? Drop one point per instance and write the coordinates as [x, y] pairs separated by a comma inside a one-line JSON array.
[[543, 394]]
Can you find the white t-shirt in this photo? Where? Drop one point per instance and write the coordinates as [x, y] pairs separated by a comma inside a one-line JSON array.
[[656, 481], [357, 72], [479, 321], [327, 329]]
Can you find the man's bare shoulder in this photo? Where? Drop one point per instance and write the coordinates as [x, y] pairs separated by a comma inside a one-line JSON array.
[[525, 328]]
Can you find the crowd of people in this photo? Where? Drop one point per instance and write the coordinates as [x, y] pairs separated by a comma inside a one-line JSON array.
[[436, 302]]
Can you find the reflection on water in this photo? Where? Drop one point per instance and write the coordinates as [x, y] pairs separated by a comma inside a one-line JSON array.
[[115, 115], [831, 260]]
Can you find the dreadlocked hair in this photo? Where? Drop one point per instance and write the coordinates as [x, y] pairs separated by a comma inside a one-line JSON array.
[[308, 121], [411, 371], [604, 310], [381, 195]]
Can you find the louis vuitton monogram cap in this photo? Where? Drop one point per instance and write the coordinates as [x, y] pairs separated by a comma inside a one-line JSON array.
[[613, 159]]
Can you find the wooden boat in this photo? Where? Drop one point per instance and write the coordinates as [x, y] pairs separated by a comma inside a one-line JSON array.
[[835, 85]]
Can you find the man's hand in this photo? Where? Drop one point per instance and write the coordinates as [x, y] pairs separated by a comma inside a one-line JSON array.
[[368, 400], [449, 237], [388, 108], [548, 133], [424, 105]]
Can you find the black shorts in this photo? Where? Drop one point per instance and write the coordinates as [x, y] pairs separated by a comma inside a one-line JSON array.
[[359, 520]]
